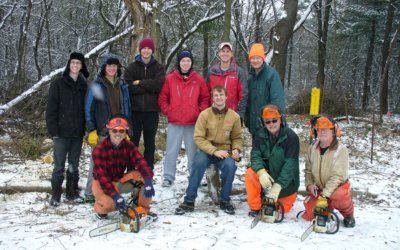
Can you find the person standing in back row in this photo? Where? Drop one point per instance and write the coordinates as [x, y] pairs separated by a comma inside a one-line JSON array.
[[232, 77], [65, 120], [182, 98], [107, 95], [145, 77], [265, 87]]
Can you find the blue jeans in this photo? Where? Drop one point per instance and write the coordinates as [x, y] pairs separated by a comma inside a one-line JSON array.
[[62, 147], [203, 160]]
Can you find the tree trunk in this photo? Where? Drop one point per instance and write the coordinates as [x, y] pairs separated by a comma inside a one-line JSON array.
[[155, 32], [22, 41], [385, 52], [366, 89], [213, 183], [290, 62], [257, 29], [141, 20], [206, 38], [227, 20], [322, 35], [283, 34]]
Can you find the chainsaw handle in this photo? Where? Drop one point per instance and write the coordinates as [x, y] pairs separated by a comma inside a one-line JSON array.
[[283, 212], [336, 219]]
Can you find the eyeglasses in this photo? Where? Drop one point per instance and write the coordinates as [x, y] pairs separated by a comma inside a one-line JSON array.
[[121, 131], [76, 63], [273, 121], [324, 129]]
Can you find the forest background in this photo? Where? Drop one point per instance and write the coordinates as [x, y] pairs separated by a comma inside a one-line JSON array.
[[348, 48]]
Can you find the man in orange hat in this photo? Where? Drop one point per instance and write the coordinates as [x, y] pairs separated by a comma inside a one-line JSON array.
[[264, 86], [111, 158], [274, 161]]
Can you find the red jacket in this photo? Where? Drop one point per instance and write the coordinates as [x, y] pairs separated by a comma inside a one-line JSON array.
[[235, 82], [182, 101]]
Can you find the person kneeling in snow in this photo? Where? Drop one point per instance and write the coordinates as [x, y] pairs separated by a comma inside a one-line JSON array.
[[274, 161], [217, 132], [110, 160], [327, 172]]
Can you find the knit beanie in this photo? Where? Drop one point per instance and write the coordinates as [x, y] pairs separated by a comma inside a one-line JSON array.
[[80, 57], [147, 42], [257, 50], [182, 55], [109, 59]]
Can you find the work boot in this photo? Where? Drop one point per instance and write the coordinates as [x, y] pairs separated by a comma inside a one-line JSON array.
[[186, 206], [227, 207], [349, 221], [167, 183], [56, 196], [73, 192]]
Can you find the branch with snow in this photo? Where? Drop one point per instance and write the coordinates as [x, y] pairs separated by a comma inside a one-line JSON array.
[[46, 79], [191, 31], [304, 16], [7, 16]]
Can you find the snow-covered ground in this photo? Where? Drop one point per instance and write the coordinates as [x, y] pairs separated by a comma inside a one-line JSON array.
[[27, 222]]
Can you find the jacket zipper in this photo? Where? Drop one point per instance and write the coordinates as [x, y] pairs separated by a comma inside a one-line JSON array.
[[145, 73], [177, 87], [191, 92], [226, 80]]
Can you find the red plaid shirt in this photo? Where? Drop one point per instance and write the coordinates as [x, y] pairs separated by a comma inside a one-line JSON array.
[[109, 164]]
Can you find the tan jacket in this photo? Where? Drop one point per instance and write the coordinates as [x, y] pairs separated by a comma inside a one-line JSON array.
[[218, 131], [322, 173]]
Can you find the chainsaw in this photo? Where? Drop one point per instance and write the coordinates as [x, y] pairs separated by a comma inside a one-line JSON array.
[[325, 221], [131, 220], [269, 212]]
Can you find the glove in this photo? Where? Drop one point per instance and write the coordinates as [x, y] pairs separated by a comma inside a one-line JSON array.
[[265, 179], [275, 191], [321, 202], [93, 138], [127, 137], [148, 189], [119, 201], [241, 121]]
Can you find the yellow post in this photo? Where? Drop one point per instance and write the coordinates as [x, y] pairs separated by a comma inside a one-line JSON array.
[[315, 97]]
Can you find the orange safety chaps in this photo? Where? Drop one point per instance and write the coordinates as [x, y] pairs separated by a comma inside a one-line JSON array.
[[340, 199], [105, 204]]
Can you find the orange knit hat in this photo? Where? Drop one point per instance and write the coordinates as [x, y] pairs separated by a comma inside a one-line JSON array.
[[257, 50]]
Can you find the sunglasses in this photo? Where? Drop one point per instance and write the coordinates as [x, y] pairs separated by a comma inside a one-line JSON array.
[[269, 122], [121, 131]]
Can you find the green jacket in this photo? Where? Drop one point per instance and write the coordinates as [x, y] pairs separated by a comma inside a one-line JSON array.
[[282, 160], [264, 87]]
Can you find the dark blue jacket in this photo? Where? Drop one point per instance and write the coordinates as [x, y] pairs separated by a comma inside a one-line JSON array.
[[97, 104]]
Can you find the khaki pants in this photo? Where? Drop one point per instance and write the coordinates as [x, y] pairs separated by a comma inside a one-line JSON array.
[[105, 204]]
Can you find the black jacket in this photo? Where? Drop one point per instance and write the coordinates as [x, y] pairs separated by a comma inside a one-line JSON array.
[[65, 112], [144, 96]]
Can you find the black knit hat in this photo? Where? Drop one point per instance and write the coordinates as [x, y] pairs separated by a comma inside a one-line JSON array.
[[80, 57], [109, 59]]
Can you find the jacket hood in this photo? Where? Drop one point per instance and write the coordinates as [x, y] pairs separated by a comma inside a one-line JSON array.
[[138, 58]]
